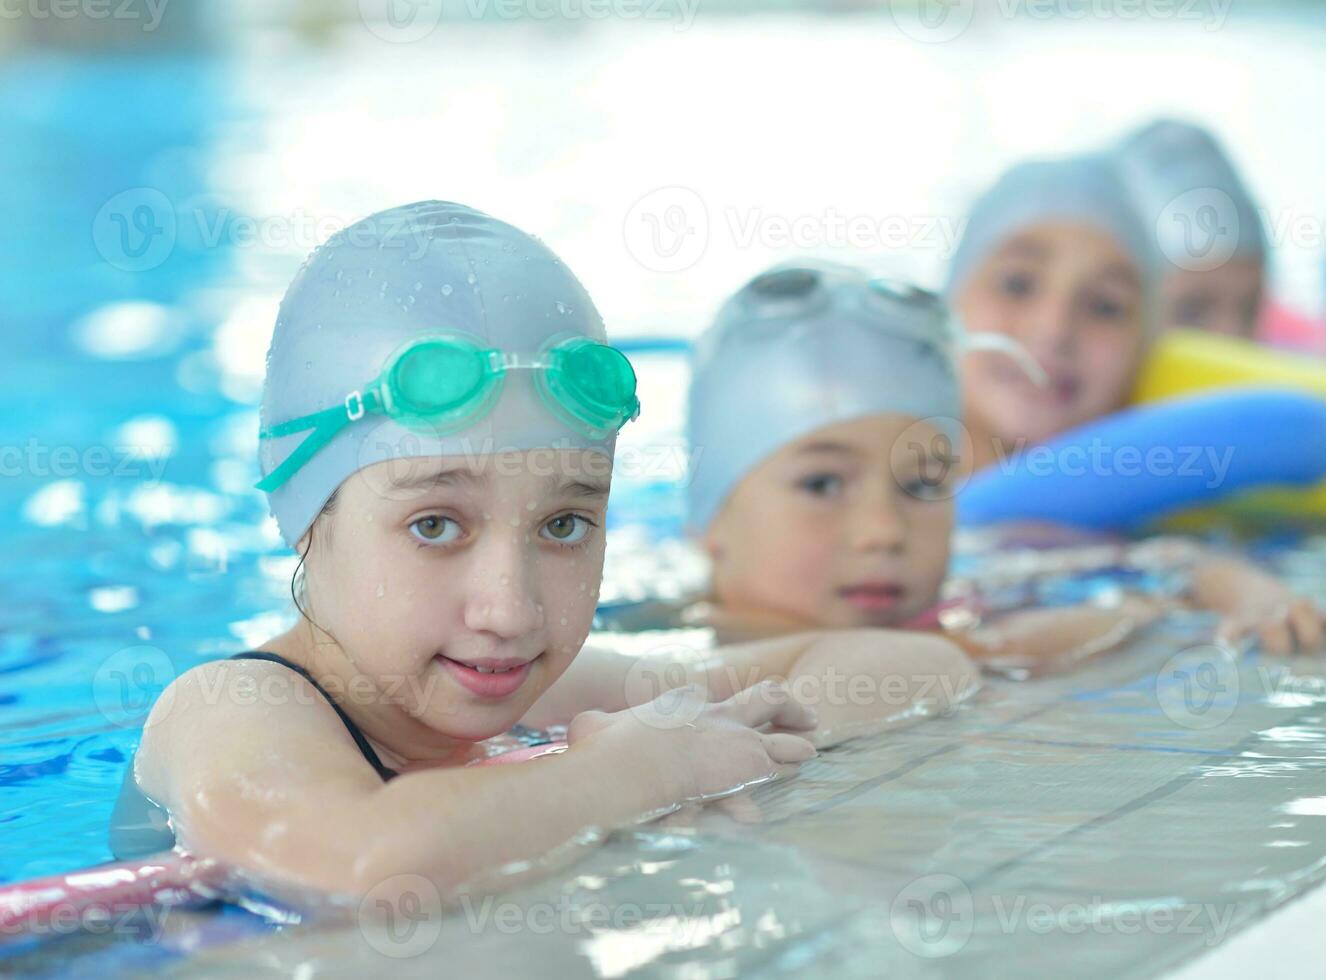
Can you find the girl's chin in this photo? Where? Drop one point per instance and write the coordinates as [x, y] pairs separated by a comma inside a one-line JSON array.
[[472, 723]]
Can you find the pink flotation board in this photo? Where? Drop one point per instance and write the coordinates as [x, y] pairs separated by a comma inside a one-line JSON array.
[[169, 878]]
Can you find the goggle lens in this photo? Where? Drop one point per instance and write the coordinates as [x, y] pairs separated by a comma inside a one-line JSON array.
[[595, 382], [438, 377]]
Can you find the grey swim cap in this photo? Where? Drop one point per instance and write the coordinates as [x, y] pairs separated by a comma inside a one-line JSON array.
[[1184, 184], [1084, 189], [805, 346], [408, 272]]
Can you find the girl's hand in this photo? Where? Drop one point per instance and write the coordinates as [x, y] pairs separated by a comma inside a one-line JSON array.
[[1283, 622], [704, 749]]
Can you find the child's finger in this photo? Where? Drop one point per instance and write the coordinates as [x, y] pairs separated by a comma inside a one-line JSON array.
[[1276, 637], [797, 716], [1231, 630], [761, 704], [741, 808], [1306, 619], [788, 748], [585, 724]]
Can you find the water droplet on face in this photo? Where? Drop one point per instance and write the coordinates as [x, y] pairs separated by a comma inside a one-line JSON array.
[[515, 522], [562, 308], [584, 586], [530, 505], [370, 273], [563, 620], [487, 516], [471, 278], [446, 289], [382, 590], [308, 365], [504, 579], [418, 286]]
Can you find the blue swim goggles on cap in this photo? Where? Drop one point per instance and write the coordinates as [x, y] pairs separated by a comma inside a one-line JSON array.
[[906, 311], [444, 382]]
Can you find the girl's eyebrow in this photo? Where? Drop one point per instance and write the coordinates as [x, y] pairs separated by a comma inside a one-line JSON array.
[[1023, 248], [1123, 273], [438, 478], [825, 447], [581, 488]]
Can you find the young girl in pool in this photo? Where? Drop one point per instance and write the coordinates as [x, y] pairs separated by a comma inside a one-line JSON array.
[[1211, 236], [1208, 227], [824, 429], [1055, 257], [439, 418]]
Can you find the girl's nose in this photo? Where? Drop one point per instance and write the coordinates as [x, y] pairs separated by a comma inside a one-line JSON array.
[[1052, 329], [878, 525], [501, 598]]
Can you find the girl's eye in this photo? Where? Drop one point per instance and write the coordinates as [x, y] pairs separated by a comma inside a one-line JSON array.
[[435, 529], [567, 529], [928, 487], [1017, 284], [1105, 307], [1190, 311], [821, 484]]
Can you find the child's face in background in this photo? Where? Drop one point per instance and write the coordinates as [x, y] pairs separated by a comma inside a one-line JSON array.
[[1225, 300], [1073, 297], [428, 563], [846, 527]]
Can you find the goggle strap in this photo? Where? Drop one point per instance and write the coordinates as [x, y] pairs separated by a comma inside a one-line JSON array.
[[325, 425]]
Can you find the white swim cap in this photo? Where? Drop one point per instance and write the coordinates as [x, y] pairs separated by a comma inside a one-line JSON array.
[[1201, 212], [425, 270], [1085, 189], [805, 346]]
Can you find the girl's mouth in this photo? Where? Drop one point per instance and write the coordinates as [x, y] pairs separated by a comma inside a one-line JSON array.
[[488, 678], [873, 596]]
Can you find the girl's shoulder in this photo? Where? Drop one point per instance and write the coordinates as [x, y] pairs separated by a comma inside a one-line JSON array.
[[229, 709]]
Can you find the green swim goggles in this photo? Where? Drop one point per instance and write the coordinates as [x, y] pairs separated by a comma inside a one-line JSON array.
[[444, 382]]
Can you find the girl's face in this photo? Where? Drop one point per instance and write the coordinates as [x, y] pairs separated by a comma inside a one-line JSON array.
[[1225, 300], [848, 526], [1073, 298], [462, 587]]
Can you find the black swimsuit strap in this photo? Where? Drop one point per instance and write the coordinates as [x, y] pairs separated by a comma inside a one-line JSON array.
[[370, 755]]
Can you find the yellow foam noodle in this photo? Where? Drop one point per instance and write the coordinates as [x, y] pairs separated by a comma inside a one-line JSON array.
[[1184, 362]]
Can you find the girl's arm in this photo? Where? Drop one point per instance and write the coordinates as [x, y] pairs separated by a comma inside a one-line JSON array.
[[1255, 604], [1038, 641], [1252, 603], [280, 791], [854, 680]]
